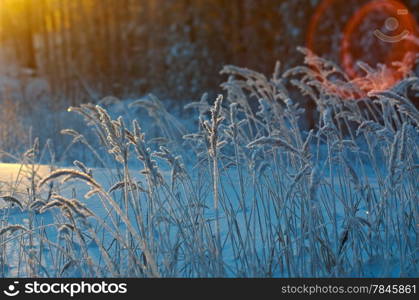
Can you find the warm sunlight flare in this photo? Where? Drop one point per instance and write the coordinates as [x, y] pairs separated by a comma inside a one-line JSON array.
[[363, 41]]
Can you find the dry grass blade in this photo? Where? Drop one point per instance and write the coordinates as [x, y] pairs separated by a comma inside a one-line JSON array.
[[71, 174], [13, 200], [273, 142], [121, 184], [12, 228]]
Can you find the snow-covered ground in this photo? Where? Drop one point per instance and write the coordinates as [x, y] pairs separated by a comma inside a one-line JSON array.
[[17, 177]]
